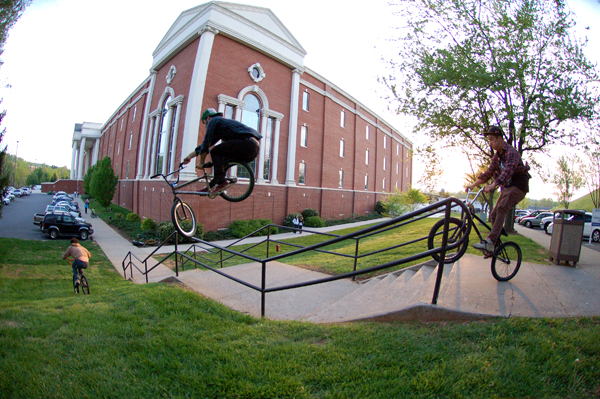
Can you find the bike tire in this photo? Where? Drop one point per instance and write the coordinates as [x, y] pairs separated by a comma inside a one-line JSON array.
[[506, 261], [183, 218], [454, 234], [85, 286], [234, 171]]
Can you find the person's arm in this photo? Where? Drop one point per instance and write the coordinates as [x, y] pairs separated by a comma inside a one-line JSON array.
[[67, 253]]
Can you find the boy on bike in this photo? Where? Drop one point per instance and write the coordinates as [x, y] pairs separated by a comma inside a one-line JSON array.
[[80, 254], [239, 143], [509, 173]]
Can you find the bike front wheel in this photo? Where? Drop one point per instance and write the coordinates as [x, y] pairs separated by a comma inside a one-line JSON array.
[[85, 287], [455, 232], [242, 177], [183, 218], [506, 261]]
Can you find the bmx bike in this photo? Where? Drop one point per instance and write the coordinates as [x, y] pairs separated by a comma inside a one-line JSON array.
[[506, 258], [238, 175], [83, 282]]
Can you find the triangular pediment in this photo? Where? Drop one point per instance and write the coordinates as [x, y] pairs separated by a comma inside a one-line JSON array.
[[255, 26]]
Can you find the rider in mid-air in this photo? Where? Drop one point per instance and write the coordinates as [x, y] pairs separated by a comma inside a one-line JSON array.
[[510, 173], [239, 143]]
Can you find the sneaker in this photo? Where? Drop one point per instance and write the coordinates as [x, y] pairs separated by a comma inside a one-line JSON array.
[[77, 283], [486, 245], [218, 189]]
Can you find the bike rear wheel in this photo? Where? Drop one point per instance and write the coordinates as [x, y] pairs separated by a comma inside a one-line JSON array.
[[85, 287], [506, 261], [242, 177], [183, 218], [455, 232]]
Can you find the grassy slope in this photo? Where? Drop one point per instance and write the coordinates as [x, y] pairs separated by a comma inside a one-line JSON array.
[[584, 202], [148, 341]]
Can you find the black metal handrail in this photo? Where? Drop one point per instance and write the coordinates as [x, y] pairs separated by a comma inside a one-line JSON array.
[[445, 206]]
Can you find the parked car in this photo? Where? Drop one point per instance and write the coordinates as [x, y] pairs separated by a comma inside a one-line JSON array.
[[520, 213], [546, 222], [587, 228], [54, 208], [518, 218], [535, 221], [73, 206], [57, 225], [5, 200], [16, 192]]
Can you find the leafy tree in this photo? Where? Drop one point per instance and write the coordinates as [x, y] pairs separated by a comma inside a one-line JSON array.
[[467, 64], [4, 176], [104, 182], [590, 169], [401, 202], [567, 180], [87, 179]]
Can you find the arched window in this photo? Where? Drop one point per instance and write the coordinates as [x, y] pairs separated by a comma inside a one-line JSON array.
[[165, 135], [251, 117]]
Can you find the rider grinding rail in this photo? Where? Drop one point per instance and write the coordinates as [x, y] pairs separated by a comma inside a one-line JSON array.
[[510, 173], [239, 143]]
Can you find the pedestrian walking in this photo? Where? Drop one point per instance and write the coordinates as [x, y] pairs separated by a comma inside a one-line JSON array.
[[86, 205]]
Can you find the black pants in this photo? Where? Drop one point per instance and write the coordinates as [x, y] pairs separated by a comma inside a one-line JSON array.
[[233, 150]]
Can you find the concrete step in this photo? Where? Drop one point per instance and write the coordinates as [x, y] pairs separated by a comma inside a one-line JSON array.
[[372, 299]]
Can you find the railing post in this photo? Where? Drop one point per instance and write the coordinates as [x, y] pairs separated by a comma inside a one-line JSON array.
[[268, 238], [262, 289], [146, 266], [438, 279], [355, 258], [176, 254]]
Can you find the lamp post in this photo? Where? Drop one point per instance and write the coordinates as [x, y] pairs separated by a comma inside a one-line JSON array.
[[16, 152]]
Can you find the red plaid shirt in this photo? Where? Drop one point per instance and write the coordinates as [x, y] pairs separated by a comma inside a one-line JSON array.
[[504, 166]]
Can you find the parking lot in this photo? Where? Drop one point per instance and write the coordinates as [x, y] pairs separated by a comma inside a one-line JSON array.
[[17, 217]]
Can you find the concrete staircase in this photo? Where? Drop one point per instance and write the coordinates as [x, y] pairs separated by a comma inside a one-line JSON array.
[[401, 295]]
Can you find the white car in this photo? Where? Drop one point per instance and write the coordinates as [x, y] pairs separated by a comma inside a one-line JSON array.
[[587, 228]]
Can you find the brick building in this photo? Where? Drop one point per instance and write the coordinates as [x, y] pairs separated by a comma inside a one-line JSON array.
[[321, 148]]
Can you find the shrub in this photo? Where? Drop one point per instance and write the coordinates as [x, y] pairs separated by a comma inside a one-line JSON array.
[[288, 219], [166, 228], [314, 221], [309, 212], [118, 216], [133, 217], [239, 228], [380, 208], [148, 224]]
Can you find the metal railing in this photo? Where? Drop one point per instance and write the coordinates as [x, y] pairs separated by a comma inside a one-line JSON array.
[[203, 249]]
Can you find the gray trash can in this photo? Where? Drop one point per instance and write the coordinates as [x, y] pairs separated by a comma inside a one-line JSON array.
[[567, 236]]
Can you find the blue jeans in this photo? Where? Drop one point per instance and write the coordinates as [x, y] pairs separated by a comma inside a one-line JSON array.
[[79, 264]]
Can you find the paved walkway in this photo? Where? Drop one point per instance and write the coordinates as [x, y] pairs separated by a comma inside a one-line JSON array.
[[469, 289]]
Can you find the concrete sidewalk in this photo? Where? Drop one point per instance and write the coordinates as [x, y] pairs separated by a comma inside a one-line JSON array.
[[468, 289]]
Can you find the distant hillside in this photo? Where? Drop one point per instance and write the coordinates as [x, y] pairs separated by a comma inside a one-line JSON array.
[[584, 202]]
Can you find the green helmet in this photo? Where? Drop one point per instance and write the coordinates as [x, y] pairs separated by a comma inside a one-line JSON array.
[[210, 112]]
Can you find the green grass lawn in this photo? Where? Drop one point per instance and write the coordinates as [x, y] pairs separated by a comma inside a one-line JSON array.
[[164, 341], [333, 264]]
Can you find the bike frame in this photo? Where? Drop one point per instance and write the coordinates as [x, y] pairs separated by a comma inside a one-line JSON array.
[[469, 204], [175, 184]]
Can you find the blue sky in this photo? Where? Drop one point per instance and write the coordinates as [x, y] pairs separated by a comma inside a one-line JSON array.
[[70, 61]]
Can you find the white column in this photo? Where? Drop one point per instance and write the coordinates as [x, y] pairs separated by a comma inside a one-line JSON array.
[[72, 174], [149, 148], [275, 152], [95, 151], [290, 179], [80, 163], [155, 144], [196, 94], [261, 152], [142, 145]]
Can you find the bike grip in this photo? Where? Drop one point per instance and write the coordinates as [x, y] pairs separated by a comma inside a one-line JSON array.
[[152, 177]]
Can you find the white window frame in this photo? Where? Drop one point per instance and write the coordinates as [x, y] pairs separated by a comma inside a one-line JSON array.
[[384, 163], [130, 140], [368, 133], [302, 173], [305, 100], [384, 142], [303, 136], [367, 157], [342, 148], [366, 182], [343, 118], [341, 179]]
